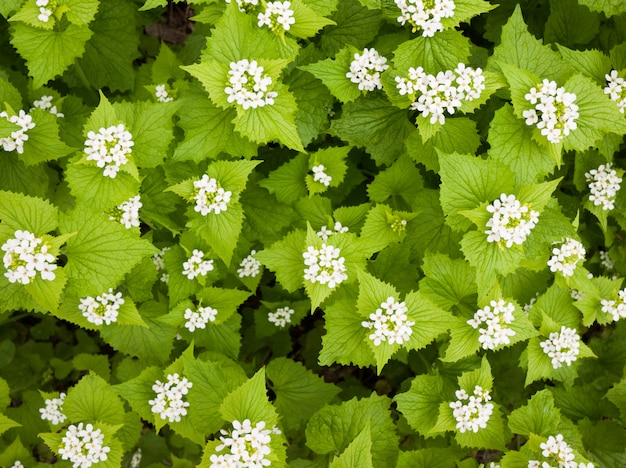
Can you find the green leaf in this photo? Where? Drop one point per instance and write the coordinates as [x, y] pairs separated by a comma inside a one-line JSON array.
[[110, 53], [617, 396], [608, 7], [98, 363], [91, 400], [521, 49], [80, 11], [539, 416], [355, 25], [333, 428], [444, 51], [43, 142], [287, 183], [383, 226], [358, 452], [607, 439], [400, 182], [467, 181], [420, 404], [332, 72], [285, 259], [425, 458], [570, 23], [512, 144], [19, 211], [49, 53], [138, 391], [7, 423], [333, 160], [299, 392], [591, 63], [308, 21], [249, 401], [95, 259], [48, 293], [374, 124], [448, 282]]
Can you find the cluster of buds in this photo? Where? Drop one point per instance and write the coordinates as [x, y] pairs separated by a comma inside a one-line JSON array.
[[565, 258], [554, 113], [511, 221], [366, 68], [390, 323], [169, 403], [209, 196], [15, 141], [472, 412], [26, 255], [324, 266], [247, 86], [425, 15], [492, 321], [102, 309], [433, 95], [562, 347], [109, 148], [278, 16], [603, 185]]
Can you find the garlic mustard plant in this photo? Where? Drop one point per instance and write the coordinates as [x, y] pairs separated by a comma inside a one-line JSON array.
[[565, 258], [25, 256], [278, 16], [248, 86], [325, 266], [616, 308], [198, 319], [169, 402], [511, 221], [45, 103], [562, 347], [425, 15], [319, 175], [246, 445], [390, 323], [281, 317], [53, 411], [127, 213], [472, 412], [161, 94], [493, 322], [616, 89], [555, 111], [15, 142], [366, 68], [249, 266], [83, 446], [209, 196], [109, 148], [103, 309], [324, 233], [603, 185], [196, 265]]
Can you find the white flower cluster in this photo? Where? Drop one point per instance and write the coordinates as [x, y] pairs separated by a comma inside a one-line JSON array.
[[445, 92], [604, 185], [511, 221], [83, 446], [169, 403], [135, 461], [366, 68], [616, 89], [246, 6], [196, 265], [573, 464], [565, 258], [576, 294], [606, 261], [495, 317], [15, 141], [559, 453], [562, 347], [281, 317], [616, 308], [159, 263], [555, 113], [44, 13], [278, 16], [109, 148], [248, 86], [249, 266], [248, 446], [17, 464], [320, 176], [390, 323], [474, 414], [210, 197], [324, 266], [162, 95], [324, 233], [103, 309], [25, 256], [199, 319], [45, 103], [425, 14], [127, 213], [53, 411]]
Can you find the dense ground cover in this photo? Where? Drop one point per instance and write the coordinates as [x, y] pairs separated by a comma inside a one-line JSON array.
[[312, 233]]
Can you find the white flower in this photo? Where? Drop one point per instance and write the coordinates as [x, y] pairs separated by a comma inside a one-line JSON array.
[[109, 148], [83, 446], [103, 309], [616, 89], [209, 196], [25, 256], [162, 95], [562, 347], [473, 415], [15, 141], [157, 258], [320, 176], [248, 446], [565, 258], [246, 5], [425, 15], [199, 319], [576, 294], [558, 451], [196, 265], [247, 86], [366, 68], [511, 221], [135, 461], [249, 266], [45, 103], [281, 316], [53, 411], [17, 464], [169, 403], [127, 213], [324, 266], [390, 323], [278, 16], [324, 233], [606, 261], [617, 308], [434, 95], [492, 324], [604, 185], [554, 113], [44, 13]]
